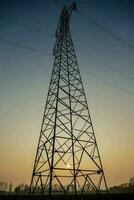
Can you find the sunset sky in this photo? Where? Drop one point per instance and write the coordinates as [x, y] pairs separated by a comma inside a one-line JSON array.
[[107, 69]]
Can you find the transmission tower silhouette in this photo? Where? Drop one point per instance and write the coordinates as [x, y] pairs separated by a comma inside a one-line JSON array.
[[67, 158]]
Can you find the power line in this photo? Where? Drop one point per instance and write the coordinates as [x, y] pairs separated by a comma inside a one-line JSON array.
[[24, 47], [107, 65], [106, 30], [25, 26], [42, 52], [109, 83]]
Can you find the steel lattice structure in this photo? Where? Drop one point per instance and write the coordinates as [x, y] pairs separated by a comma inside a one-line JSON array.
[[67, 158]]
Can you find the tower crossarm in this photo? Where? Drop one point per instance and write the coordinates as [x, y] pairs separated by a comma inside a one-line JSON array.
[[63, 24]]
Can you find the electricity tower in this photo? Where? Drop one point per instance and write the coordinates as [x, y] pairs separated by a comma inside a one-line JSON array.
[[67, 158]]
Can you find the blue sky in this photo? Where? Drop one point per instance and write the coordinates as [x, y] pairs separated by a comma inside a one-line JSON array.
[[25, 74]]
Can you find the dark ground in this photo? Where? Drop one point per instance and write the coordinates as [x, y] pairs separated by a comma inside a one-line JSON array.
[[113, 196]]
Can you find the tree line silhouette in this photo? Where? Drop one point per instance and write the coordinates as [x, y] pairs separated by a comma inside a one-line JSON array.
[[7, 188]]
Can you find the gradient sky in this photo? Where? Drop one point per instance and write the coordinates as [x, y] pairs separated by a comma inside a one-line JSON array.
[[25, 74]]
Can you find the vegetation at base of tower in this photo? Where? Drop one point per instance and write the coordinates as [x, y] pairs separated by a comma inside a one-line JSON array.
[[7, 188], [124, 187]]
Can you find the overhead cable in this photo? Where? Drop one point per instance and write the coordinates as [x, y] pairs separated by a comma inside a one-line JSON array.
[[90, 20], [109, 83], [23, 46], [109, 66], [25, 26]]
